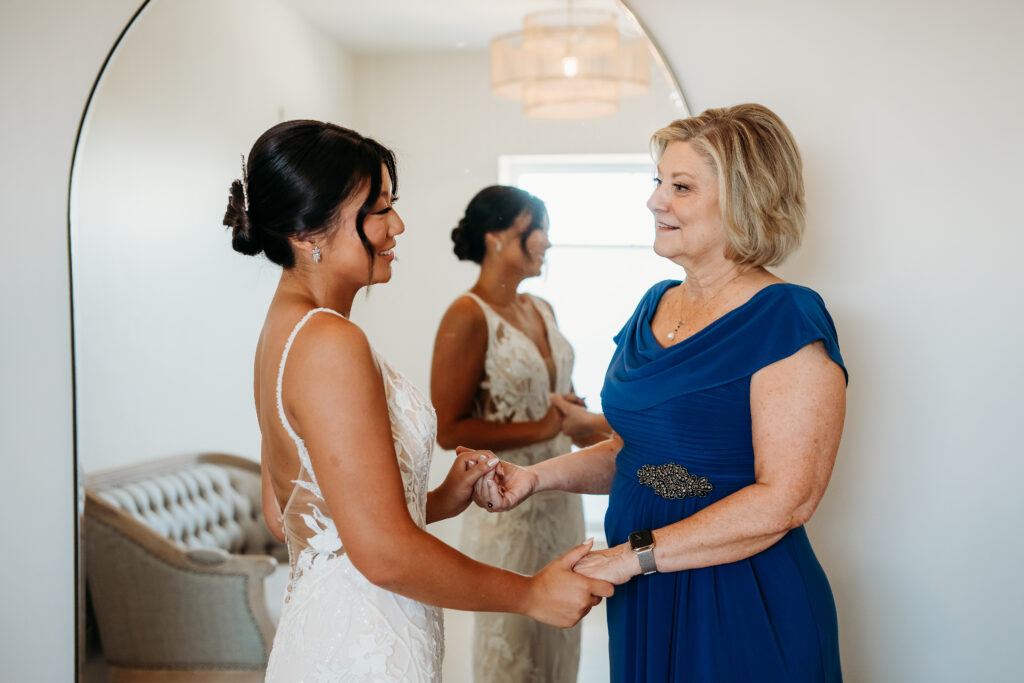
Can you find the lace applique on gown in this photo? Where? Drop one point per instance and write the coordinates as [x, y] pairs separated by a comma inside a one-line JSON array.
[[335, 624], [509, 648]]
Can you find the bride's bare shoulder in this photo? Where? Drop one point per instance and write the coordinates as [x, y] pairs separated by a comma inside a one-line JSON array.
[[327, 338], [315, 337]]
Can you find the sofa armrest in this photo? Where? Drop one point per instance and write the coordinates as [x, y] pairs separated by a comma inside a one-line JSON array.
[[220, 561]]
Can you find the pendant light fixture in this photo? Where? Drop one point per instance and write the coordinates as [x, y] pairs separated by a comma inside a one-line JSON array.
[[571, 63]]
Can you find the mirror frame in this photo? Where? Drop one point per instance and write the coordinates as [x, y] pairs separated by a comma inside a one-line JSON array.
[[77, 475]]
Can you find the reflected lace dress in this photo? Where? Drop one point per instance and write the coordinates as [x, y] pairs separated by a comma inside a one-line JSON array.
[[509, 648], [336, 625]]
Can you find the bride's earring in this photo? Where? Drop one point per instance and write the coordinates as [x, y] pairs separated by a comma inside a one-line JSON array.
[[497, 246], [316, 254]]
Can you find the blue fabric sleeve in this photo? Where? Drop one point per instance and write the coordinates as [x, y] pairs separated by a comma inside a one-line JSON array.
[[797, 318]]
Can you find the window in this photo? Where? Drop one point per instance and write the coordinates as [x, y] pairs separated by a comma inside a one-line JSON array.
[[600, 262]]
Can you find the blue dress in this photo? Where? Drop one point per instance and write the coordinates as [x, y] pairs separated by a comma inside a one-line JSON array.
[[770, 617]]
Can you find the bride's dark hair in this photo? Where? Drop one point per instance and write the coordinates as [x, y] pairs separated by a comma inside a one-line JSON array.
[[297, 176], [494, 209]]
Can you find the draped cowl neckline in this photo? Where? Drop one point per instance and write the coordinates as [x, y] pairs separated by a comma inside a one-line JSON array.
[[773, 324]]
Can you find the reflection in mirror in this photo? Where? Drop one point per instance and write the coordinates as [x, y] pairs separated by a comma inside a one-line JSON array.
[[166, 314]]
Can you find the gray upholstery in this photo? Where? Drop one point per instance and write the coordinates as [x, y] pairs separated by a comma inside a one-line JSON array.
[[200, 505], [176, 555]]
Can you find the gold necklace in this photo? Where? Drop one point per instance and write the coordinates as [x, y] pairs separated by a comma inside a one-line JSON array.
[[682, 321], [672, 335]]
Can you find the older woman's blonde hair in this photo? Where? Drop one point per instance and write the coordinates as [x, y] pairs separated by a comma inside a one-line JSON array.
[[760, 178]]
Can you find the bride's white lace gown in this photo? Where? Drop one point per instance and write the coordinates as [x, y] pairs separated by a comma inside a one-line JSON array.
[[336, 625], [509, 648]]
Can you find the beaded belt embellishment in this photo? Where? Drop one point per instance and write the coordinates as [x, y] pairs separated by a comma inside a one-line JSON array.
[[673, 481]]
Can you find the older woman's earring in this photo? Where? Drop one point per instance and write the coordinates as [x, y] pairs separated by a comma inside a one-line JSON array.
[[497, 246], [316, 254]]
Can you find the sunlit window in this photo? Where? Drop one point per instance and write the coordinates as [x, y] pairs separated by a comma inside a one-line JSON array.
[[600, 262]]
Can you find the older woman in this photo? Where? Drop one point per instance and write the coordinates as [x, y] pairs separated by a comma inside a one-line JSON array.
[[727, 392]]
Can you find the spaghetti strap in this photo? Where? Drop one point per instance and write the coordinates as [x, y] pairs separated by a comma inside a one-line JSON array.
[[299, 444], [477, 299], [491, 317], [484, 306]]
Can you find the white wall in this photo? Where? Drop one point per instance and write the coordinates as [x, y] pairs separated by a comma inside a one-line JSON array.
[[50, 52], [166, 313], [907, 117]]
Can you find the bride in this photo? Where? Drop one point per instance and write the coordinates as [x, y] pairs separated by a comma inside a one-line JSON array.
[[346, 439]]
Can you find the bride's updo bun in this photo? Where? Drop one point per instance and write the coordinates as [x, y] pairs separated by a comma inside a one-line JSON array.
[[237, 218], [494, 209], [296, 178], [466, 247]]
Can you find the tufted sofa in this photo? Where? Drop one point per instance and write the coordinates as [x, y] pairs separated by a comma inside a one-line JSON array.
[[176, 559]]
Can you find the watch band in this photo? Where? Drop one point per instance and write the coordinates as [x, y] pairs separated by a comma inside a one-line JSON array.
[[647, 564]]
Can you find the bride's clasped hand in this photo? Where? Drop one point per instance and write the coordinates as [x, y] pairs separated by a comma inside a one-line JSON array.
[[557, 596], [504, 485]]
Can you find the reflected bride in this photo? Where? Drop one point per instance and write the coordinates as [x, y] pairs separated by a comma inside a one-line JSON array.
[[498, 356]]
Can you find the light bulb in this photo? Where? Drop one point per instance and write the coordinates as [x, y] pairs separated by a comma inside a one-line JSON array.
[[570, 66]]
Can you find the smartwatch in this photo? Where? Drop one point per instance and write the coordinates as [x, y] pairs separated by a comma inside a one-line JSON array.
[[642, 543]]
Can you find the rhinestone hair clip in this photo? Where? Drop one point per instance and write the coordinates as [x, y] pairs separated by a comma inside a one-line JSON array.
[[245, 185]]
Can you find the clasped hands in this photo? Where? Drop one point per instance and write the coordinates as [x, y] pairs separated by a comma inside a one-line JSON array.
[[574, 420], [506, 485]]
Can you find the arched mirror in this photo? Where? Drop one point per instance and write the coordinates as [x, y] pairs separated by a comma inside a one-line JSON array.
[[166, 314]]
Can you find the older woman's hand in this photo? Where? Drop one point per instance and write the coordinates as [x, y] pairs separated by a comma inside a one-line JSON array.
[[615, 565], [456, 491], [504, 487]]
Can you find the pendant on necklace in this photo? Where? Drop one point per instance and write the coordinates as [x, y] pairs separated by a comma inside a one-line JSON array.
[[672, 335]]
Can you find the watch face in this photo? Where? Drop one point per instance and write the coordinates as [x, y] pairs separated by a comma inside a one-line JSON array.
[[641, 539]]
